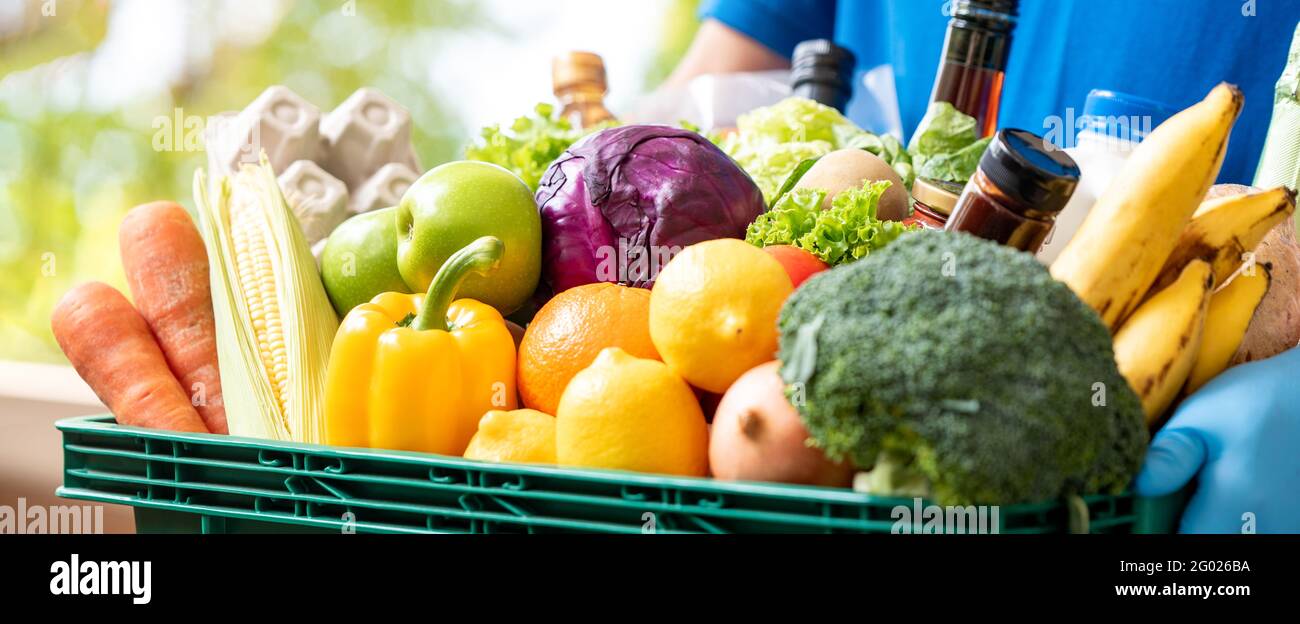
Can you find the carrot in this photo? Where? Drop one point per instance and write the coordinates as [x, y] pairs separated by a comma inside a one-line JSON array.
[[111, 347], [167, 270]]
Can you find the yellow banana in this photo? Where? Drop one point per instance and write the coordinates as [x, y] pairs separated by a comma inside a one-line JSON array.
[[1226, 321], [1156, 346], [1122, 244], [1222, 231]]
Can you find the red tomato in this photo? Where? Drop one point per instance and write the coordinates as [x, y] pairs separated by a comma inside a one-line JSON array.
[[799, 264]]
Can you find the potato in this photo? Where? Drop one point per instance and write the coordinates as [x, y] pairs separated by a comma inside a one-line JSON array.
[[1225, 190], [1275, 327], [849, 168], [1276, 324]]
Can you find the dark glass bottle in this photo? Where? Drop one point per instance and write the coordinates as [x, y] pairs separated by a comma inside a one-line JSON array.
[[1021, 184], [974, 60], [823, 72]]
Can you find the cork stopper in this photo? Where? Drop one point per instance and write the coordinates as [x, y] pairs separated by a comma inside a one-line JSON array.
[[574, 69]]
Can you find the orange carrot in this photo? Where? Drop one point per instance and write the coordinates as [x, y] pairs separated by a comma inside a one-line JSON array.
[[111, 347], [167, 271]]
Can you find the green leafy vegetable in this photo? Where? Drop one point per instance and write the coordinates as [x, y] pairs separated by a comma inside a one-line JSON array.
[[946, 145], [531, 144], [794, 177], [845, 232], [770, 142]]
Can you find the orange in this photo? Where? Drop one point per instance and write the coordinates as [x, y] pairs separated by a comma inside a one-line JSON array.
[[571, 329], [713, 311]]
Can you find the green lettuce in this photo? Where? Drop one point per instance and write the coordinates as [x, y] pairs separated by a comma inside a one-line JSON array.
[[775, 144], [770, 142], [529, 146], [946, 145], [847, 231]]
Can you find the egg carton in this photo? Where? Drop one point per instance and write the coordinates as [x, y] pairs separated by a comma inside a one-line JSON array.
[[354, 159]]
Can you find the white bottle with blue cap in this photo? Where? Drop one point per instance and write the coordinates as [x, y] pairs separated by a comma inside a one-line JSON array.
[[1112, 124]]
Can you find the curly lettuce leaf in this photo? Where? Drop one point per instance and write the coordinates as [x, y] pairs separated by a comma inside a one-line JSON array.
[[529, 146], [847, 231]]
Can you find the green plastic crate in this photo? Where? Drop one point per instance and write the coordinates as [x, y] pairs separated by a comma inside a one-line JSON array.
[[205, 483]]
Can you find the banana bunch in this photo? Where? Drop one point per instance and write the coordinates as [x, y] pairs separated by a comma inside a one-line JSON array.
[[1170, 273]]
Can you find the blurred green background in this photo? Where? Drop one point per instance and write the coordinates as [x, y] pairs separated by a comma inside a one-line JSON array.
[[83, 83]]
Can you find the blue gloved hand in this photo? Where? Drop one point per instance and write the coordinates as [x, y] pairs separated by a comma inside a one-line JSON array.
[[1241, 433]]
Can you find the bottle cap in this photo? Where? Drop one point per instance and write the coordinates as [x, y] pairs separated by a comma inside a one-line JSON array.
[[822, 71], [1123, 115], [940, 196], [577, 68], [994, 14], [1034, 174]]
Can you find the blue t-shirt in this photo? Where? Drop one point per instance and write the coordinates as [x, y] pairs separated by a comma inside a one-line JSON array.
[[1171, 51]]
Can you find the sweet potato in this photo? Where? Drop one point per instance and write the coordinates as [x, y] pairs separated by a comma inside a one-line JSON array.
[[1275, 327]]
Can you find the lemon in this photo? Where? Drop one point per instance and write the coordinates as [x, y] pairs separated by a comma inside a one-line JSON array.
[[713, 311], [522, 435], [628, 413]]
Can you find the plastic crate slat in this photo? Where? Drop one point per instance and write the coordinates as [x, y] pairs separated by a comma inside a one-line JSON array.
[[811, 522], [712, 506], [232, 512], [258, 494], [432, 483]]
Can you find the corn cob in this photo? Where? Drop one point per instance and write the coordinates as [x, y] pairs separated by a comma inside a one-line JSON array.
[[274, 321]]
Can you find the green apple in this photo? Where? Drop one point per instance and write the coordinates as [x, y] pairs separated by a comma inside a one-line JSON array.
[[360, 260], [453, 204]]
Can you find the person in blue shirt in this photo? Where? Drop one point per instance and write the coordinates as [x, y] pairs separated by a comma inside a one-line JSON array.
[[1238, 437], [1170, 51]]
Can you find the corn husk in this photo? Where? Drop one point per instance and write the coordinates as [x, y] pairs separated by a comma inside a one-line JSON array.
[[256, 407]]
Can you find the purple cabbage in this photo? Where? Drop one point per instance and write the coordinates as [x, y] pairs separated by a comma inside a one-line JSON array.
[[619, 203]]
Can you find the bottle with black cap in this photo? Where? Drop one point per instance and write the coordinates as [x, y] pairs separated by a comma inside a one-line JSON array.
[[823, 72], [1021, 184]]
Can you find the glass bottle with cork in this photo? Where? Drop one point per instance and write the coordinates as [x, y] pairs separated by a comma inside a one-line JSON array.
[[578, 81], [974, 61], [1021, 184]]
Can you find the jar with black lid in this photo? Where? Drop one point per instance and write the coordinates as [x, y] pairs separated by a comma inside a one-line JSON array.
[[1021, 184]]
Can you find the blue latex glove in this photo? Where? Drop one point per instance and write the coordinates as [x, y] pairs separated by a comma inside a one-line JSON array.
[[1241, 433]]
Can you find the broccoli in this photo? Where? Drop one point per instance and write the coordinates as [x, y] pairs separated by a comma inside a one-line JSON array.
[[958, 364]]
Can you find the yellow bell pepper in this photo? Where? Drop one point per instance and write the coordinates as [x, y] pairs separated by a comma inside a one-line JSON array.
[[417, 372]]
